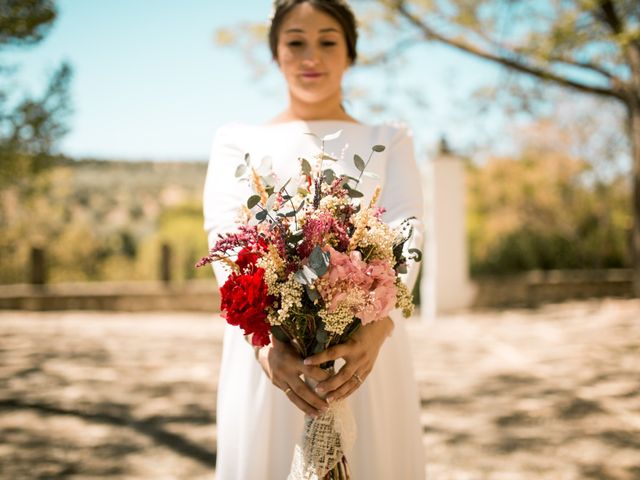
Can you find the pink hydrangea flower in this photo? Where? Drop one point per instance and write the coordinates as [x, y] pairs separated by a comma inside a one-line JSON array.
[[348, 273]]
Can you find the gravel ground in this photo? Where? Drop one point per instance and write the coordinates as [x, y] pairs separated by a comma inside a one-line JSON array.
[[551, 393]]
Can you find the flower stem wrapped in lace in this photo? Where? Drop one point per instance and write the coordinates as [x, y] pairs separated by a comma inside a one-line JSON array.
[[327, 440]]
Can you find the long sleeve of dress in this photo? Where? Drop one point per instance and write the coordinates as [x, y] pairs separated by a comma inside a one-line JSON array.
[[402, 195], [223, 194]]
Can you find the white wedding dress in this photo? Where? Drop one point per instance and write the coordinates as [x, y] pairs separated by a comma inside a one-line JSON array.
[[257, 426]]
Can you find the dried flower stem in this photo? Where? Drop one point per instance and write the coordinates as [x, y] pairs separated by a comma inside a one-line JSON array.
[[259, 187], [359, 231], [376, 195]]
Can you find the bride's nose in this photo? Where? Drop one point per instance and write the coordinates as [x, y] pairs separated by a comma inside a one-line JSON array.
[[310, 56]]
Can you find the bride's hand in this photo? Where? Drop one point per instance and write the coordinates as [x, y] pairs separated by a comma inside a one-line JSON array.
[[359, 353], [283, 366]]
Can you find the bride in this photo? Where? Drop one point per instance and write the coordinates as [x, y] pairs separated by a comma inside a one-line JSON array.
[[261, 397]]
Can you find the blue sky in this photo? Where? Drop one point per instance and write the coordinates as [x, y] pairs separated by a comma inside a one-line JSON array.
[[150, 82]]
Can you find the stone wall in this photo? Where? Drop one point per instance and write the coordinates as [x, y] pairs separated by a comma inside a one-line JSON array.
[[526, 290]]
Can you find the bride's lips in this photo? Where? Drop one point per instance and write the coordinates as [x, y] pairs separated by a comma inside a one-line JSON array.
[[311, 74]]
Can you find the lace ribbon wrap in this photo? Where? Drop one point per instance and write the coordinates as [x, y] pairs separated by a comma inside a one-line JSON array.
[[326, 440]]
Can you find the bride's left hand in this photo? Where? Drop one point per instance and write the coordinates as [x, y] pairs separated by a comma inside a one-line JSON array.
[[359, 353]]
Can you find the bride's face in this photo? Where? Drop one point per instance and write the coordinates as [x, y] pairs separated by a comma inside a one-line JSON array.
[[312, 53]]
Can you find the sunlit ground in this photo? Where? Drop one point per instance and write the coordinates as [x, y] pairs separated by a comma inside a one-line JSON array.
[[552, 393]]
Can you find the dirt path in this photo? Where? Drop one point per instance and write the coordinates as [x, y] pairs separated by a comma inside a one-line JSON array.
[[552, 393]]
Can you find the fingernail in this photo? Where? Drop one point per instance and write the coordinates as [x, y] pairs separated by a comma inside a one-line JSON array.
[[307, 361], [330, 399], [319, 390]]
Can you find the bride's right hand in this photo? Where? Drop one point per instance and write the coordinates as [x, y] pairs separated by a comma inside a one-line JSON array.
[[283, 366]]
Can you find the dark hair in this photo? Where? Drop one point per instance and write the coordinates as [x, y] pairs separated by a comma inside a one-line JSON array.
[[337, 9]]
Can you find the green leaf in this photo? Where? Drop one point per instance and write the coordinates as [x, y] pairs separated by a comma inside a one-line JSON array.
[[279, 333], [305, 276], [359, 162], [270, 201], [353, 193], [332, 136], [306, 167], [329, 176], [261, 215], [312, 293], [378, 148], [247, 158], [322, 336], [265, 166], [319, 261], [241, 170], [269, 180], [253, 201], [329, 157]]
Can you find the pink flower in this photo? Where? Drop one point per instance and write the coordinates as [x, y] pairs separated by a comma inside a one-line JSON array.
[[382, 294], [348, 273], [318, 230]]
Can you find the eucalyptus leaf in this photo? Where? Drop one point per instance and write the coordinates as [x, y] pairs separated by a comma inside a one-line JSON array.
[[300, 206], [241, 170], [353, 193], [312, 293], [306, 167], [253, 201], [319, 347], [331, 136], [359, 162], [261, 215], [269, 180], [279, 333], [319, 261], [247, 158], [322, 336], [270, 201], [348, 177], [329, 176], [305, 276], [265, 166], [378, 148], [329, 157]]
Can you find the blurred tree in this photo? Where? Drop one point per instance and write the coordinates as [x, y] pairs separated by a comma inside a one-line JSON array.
[[29, 127], [591, 46]]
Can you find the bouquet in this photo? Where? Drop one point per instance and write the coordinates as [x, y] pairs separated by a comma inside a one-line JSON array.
[[310, 263]]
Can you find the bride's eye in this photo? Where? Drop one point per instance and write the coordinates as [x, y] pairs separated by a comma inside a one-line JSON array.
[[328, 43], [295, 43]]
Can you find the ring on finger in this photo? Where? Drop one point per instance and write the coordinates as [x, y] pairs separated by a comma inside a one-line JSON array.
[[288, 389], [357, 377]]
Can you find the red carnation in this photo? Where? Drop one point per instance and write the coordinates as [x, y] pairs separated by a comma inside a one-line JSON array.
[[244, 300], [247, 259]]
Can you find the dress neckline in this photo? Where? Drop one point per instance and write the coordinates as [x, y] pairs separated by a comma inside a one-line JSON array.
[[305, 122]]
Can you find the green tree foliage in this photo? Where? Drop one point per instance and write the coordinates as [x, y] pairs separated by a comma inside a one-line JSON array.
[[29, 127], [589, 46], [545, 209]]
